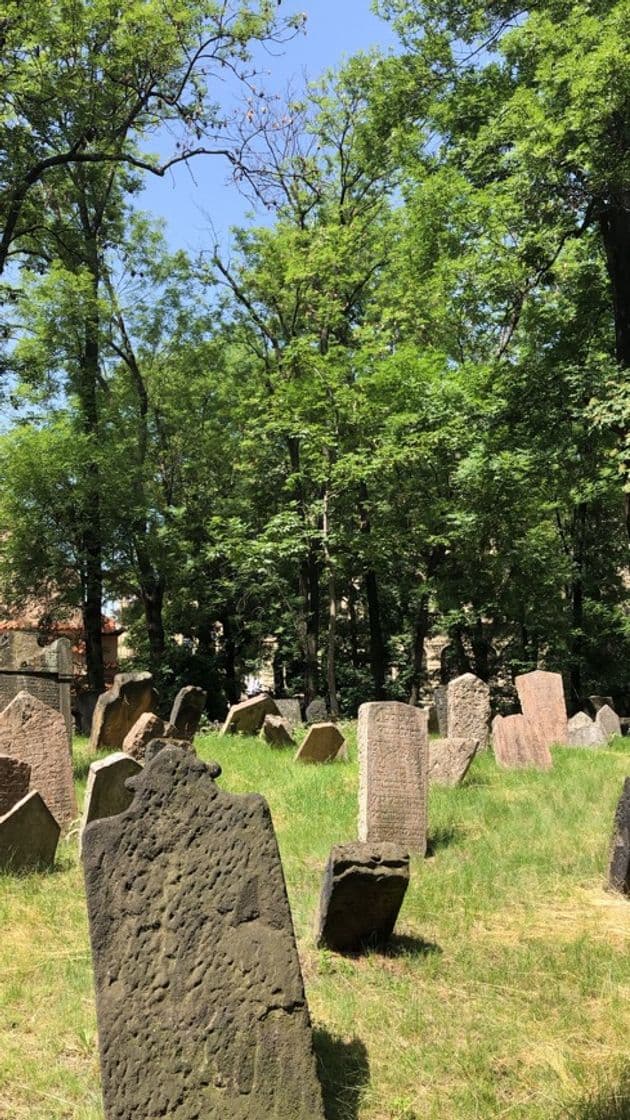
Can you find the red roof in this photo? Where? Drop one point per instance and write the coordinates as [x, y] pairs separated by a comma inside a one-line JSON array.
[[35, 616]]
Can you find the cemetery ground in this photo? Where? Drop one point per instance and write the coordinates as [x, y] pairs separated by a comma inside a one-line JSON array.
[[505, 992]]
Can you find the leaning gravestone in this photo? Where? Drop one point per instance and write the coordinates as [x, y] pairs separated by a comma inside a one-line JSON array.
[[363, 889], [28, 835], [36, 734], [248, 717], [468, 709], [316, 712], [187, 710], [515, 745], [450, 759], [608, 722], [15, 778], [441, 709], [322, 743], [116, 711], [107, 793], [200, 1001], [619, 860], [275, 731], [582, 731], [542, 702], [148, 727], [393, 768], [290, 711]]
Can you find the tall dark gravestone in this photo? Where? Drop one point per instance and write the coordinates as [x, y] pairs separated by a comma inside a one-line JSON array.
[[619, 859], [200, 1001]]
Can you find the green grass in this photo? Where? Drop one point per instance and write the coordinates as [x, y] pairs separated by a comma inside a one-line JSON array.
[[505, 993]]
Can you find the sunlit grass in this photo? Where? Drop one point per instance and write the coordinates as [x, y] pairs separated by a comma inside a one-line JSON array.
[[505, 994]]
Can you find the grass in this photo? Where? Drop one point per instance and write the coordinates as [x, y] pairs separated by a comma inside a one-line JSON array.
[[504, 995]]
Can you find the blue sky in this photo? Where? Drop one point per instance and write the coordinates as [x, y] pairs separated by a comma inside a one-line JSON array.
[[186, 197]]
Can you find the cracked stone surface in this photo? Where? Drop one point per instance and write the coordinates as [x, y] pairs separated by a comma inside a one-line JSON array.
[[363, 889], [200, 1001]]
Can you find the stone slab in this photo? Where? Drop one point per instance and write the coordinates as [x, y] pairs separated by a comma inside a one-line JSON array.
[[393, 774], [116, 711], [542, 703], [450, 760], [322, 743], [15, 777], [43, 671], [157, 745], [619, 858], [275, 731], [582, 731], [468, 709], [363, 889], [290, 711], [28, 835], [441, 709], [146, 728], [515, 744], [248, 717], [106, 793], [608, 722], [187, 710], [316, 711], [599, 701], [36, 734], [200, 1002]]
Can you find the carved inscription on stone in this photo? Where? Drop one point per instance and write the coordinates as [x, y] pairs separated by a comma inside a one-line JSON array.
[[393, 767], [200, 1001]]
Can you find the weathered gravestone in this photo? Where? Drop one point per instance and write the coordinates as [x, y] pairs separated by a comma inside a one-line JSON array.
[[608, 722], [107, 792], [290, 711], [43, 671], [363, 889], [468, 709], [322, 743], [116, 711], [36, 734], [542, 702], [248, 717], [598, 702], [515, 745], [200, 1002], [316, 712], [441, 709], [148, 727], [15, 777], [187, 710], [393, 774], [450, 759], [157, 745], [28, 835], [275, 731], [619, 860], [582, 731]]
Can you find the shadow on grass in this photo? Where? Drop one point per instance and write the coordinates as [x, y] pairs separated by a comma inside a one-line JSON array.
[[442, 838], [401, 945], [344, 1072], [606, 1102]]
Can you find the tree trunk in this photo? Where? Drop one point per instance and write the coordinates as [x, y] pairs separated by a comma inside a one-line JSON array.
[[576, 594], [91, 511], [232, 686], [378, 654], [420, 631], [331, 678], [309, 594], [352, 615], [614, 223]]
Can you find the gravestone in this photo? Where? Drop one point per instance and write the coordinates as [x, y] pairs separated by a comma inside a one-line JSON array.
[[441, 709], [157, 745], [317, 711], [598, 702], [582, 731], [187, 710], [290, 711], [106, 793], [363, 889], [393, 774], [322, 743], [15, 777], [619, 859], [608, 722], [36, 734], [148, 727], [515, 745], [116, 711], [248, 717], [28, 835], [450, 759], [275, 731], [43, 671], [199, 996], [468, 709], [542, 702]]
